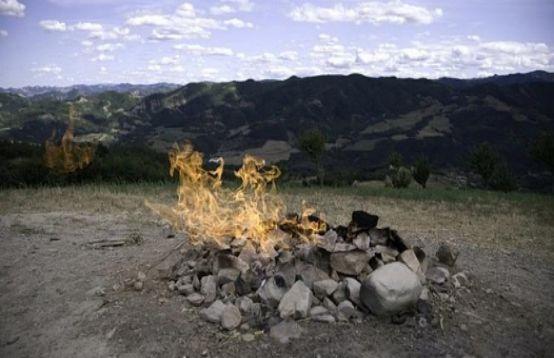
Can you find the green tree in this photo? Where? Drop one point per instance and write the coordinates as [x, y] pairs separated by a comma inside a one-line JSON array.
[[401, 177], [421, 171], [396, 160], [493, 170], [312, 142], [543, 150]]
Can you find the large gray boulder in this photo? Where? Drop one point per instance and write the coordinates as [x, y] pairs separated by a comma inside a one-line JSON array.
[[296, 303], [390, 289]]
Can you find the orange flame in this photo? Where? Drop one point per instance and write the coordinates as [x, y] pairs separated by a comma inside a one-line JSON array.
[[212, 214], [68, 156]]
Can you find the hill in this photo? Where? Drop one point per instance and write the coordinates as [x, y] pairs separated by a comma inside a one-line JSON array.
[[364, 119]]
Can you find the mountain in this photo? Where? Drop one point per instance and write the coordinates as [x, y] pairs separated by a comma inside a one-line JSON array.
[[364, 119], [71, 92]]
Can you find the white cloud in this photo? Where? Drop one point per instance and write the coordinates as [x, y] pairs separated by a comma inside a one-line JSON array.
[[109, 47], [88, 26], [166, 60], [209, 73], [396, 12], [221, 9], [53, 25], [238, 23], [87, 43], [102, 57], [288, 55], [204, 51], [241, 5], [48, 69], [184, 23], [3, 33], [12, 8], [103, 70]]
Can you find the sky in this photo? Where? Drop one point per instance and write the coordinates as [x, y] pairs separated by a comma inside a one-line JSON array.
[[65, 42]]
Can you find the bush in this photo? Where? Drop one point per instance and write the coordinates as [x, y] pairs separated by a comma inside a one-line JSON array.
[[494, 172], [543, 150], [401, 177], [421, 171]]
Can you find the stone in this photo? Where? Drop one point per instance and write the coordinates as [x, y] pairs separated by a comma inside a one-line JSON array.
[[248, 337], [213, 312], [330, 305], [318, 311], [340, 293], [409, 258], [285, 331], [327, 242], [184, 288], [346, 309], [363, 220], [208, 287], [296, 302], [286, 273], [310, 274], [244, 304], [362, 241], [379, 236], [424, 295], [353, 290], [270, 293], [225, 261], [231, 317], [460, 279], [325, 318], [227, 275], [248, 253], [349, 263], [390, 289], [228, 289], [437, 274], [138, 285], [344, 247], [195, 299], [447, 255], [141, 276], [387, 254], [324, 288]]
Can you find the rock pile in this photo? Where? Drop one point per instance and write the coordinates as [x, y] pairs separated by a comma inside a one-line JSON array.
[[342, 274]]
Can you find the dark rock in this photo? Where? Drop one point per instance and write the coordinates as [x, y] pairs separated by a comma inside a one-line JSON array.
[[364, 221], [349, 263], [447, 255]]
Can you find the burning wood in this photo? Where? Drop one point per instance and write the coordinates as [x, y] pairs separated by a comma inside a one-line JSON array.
[[251, 262], [68, 156]]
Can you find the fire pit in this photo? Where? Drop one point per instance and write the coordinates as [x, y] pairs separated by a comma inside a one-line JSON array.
[[252, 265]]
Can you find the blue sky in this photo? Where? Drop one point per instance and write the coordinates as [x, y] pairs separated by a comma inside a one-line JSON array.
[[63, 42]]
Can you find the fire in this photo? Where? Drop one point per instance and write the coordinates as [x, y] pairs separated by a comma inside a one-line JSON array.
[[68, 156], [215, 215]]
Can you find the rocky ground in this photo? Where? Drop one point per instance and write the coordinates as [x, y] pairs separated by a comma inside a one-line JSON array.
[[63, 296]]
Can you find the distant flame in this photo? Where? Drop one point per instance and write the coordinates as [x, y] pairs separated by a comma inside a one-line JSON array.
[[68, 156], [212, 214]]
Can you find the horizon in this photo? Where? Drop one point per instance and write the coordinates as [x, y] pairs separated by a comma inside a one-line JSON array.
[[181, 42], [272, 79]]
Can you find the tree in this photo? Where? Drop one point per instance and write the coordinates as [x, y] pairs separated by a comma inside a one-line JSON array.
[[400, 176], [421, 171], [543, 150], [396, 160], [312, 142], [483, 161], [494, 171]]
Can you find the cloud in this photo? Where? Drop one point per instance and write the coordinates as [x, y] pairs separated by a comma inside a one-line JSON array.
[[53, 25], [238, 23], [396, 12], [87, 43], [183, 23], [48, 69], [102, 57], [3, 33], [205, 51], [166, 60], [109, 47], [221, 9], [88, 26], [12, 8], [288, 55]]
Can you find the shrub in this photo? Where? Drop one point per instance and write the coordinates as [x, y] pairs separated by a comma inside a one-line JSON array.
[[421, 171], [312, 143], [494, 172], [543, 150], [401, 177]]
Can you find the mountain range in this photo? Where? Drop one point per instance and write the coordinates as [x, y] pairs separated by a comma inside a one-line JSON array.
[[364, 119]]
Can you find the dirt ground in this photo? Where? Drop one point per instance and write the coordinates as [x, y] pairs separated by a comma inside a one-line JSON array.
[[60, 298]]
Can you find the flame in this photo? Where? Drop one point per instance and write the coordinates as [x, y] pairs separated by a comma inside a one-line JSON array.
[[215, 215], [68, 156]]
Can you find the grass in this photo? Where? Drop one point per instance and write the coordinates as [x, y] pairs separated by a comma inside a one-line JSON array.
[[513, 221]]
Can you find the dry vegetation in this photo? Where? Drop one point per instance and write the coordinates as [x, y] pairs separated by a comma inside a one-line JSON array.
[[484, 219]]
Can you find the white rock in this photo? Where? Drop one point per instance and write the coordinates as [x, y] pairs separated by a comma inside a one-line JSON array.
[[318, 311], [208, 287], [231, 317], [349, 263], [438, 275], [346, 309], [325, 318], [296, 302], [390, 289], [362, 241], [409, 258], [195, 299], [270, 293], [353, 290], [324, 288], [213, 312]]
